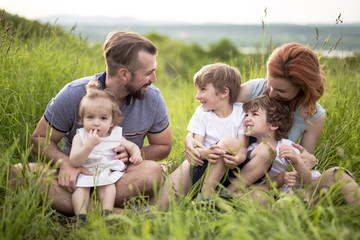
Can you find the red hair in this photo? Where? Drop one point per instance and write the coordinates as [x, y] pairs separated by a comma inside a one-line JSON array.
[[299, 65]]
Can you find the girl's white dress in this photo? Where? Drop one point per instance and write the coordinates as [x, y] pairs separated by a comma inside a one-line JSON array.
[[101, 161]]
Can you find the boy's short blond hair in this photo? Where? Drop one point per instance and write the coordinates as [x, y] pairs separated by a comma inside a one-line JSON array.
[[220, 75]]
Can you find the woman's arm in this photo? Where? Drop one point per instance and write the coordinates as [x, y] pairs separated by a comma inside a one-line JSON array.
[[312, 133], [308, 141], [244, 92]]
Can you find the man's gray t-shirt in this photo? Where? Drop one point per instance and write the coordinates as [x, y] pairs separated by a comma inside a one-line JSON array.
[[140, 116]]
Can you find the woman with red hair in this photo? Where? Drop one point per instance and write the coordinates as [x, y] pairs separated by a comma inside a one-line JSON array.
[[294, 76]]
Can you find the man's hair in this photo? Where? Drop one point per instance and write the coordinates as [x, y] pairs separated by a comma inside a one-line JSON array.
[[121, 49], [299, 65], [277, 113], [93, 91], [220, 75]]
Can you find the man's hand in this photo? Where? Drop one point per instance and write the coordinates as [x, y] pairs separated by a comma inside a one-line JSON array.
[[68, 175], [122, 155]]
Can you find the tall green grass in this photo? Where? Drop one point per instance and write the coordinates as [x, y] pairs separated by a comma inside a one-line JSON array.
[[35, 66]]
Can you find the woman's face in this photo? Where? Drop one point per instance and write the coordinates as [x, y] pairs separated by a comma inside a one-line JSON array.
[[282, 89]]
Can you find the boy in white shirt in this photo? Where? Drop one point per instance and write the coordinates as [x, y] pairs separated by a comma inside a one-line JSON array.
[[214, 123]]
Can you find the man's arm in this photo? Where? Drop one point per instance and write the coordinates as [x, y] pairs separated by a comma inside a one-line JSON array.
[[45, 140], [159, 145]]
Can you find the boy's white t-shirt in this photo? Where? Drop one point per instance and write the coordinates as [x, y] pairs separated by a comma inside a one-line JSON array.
[[280, 164], [213, 128]]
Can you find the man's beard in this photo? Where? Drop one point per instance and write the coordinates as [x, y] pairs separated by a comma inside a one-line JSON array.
[[139, 94]]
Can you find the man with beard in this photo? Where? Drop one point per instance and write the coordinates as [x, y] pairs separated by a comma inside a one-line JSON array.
[[130, 71]]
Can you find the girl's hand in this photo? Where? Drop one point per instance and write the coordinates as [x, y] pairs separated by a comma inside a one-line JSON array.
[[232, 161], [309, 159], [93, 138], [289, 154], [136, 159]]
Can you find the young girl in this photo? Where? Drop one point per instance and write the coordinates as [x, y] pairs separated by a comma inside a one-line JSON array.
[[92, 148]]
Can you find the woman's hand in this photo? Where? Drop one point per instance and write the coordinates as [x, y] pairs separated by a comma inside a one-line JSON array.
[[289, 154], [309, 159]]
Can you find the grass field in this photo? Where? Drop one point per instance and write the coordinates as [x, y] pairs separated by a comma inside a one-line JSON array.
[[36, 61]]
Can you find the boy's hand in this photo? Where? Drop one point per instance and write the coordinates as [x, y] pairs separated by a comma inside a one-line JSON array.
[[289, 154], [191, 150], [93, 138], [232, 161], [289, 178], [136, 159], [212, 154]]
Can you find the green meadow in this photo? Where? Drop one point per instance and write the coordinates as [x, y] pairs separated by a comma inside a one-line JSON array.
[[38, 60]]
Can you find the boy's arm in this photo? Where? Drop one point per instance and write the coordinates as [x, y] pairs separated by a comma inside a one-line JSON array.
[[236, 154], [211, 154], [288, 178], [295, 160], [261, 159], [191, 146]]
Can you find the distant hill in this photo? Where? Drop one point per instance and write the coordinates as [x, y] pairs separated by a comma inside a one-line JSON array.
[[245, 37]]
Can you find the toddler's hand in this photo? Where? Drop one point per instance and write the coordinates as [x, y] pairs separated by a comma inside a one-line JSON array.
[[136, 159], [93, 138]]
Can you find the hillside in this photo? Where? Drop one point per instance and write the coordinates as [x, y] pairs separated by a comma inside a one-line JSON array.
[[246, 37]]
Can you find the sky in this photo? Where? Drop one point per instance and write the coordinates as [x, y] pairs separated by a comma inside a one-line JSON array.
[[195, 11]]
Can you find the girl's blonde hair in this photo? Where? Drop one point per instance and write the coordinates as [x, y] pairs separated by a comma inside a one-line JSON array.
[[93, 91]]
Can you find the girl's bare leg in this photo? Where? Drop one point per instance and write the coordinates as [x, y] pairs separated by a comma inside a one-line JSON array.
[[107, 196], [80, 200]]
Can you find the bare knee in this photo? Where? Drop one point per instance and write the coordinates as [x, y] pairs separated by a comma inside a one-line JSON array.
[[154, 177], [229, 143]]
